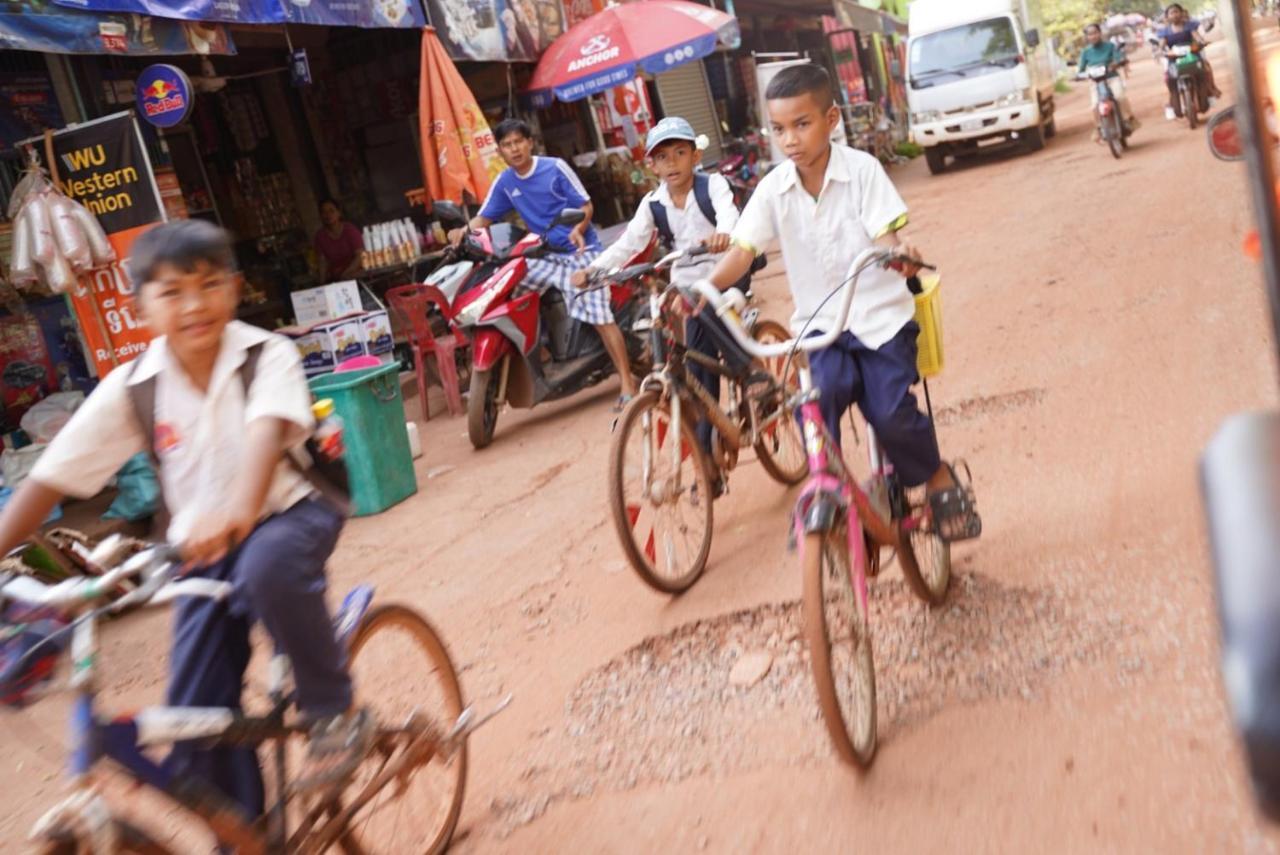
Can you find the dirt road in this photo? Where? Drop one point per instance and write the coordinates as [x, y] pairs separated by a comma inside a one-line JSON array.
[[1100, 323]]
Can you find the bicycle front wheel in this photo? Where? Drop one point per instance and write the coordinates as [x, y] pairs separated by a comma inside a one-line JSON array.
[[839, 639], [662, 508], [781, 448], [401, 669]]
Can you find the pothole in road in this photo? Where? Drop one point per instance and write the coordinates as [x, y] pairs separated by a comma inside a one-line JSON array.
[[666, 709], [988, 405]]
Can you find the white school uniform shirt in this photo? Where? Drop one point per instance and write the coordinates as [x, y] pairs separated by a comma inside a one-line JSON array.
[[689, 228], [199, 436], [821, 238]]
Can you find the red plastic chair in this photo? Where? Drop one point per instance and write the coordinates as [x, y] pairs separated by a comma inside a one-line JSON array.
[[410, 303]]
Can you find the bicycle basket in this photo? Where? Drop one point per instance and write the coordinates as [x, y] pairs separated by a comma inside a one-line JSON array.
[[21, 630], [929, 318]]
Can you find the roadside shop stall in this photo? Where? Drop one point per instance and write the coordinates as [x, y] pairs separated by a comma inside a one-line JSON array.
[[141, 126]]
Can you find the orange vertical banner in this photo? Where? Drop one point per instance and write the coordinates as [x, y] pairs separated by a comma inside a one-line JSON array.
[[459, 152]]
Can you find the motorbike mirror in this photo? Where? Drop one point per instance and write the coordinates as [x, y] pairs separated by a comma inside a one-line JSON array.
[[1224, 136], [570, 217], [448, 212], [1033, 38]]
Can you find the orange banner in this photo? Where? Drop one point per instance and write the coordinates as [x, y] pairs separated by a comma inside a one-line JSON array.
[[459, 153], [104, 306]]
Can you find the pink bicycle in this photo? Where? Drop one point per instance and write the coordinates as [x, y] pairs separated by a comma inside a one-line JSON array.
[[840, 549]]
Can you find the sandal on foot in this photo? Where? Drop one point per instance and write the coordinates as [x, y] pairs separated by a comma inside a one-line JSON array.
[[954, 510], [336, 747], [622, 402]]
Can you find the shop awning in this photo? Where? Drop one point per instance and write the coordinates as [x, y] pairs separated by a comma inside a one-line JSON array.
[[37, 26], [855, 16], [369, 14]]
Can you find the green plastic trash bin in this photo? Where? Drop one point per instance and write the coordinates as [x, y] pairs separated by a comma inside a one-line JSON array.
[[377, 444]]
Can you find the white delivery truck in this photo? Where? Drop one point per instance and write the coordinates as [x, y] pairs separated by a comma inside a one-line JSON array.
[[977, 76]]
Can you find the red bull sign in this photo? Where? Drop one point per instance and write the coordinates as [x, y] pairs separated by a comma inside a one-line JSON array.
[[165, 95]]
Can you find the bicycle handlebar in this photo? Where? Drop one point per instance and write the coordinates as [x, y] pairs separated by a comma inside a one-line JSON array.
[[158, 565], [601, 278], [726, 308]]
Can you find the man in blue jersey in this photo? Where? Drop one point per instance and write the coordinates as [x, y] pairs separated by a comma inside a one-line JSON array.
[[538, 189]]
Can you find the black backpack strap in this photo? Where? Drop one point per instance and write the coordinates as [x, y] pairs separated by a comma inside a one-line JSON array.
[[249, 370], [142, 396], [661, 223], [702, 195]]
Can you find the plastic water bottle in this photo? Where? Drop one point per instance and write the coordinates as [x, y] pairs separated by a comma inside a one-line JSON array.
[[328, 433]]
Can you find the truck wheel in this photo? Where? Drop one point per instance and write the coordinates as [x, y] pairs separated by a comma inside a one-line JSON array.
[[937, 160], [1035, 138], [1051, 129]]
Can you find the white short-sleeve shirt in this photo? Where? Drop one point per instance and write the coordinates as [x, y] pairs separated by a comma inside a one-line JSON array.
[[689, 228], [199, 436], [820, 238]]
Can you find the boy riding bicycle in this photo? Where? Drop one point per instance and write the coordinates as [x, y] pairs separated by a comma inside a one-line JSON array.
[[824, 207], [240, 511], [678, 212]]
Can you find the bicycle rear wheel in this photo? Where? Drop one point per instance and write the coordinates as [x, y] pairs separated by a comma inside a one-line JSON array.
[[401, 668], [662, 512], [781, 448], [926, 561], [839, 640], [131, 840]]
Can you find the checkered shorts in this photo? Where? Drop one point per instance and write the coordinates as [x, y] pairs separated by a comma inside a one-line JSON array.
[[554, 270]]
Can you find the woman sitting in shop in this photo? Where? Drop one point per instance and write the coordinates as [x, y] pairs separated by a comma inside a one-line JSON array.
[[338, 244]]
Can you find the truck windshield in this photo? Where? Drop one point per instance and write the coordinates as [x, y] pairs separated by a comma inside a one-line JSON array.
[[964, 51]]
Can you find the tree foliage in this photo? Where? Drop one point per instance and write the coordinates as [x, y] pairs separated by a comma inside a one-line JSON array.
[[1065, 20]]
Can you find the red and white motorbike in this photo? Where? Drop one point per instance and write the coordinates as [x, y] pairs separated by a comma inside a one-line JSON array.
[[525, 348]]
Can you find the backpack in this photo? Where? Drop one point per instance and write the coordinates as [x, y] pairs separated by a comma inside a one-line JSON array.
[[328, 477], [701, 195]]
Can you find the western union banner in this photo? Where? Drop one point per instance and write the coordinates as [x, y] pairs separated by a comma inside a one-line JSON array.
[[103, 165]]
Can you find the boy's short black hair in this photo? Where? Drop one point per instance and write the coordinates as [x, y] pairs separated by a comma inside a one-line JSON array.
[[182, 244], [1093, 26], [507, 127], [806, 79]]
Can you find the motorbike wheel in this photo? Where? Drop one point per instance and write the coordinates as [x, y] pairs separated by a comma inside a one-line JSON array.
[[1189, 107], [1116, 138], [482, 408]]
